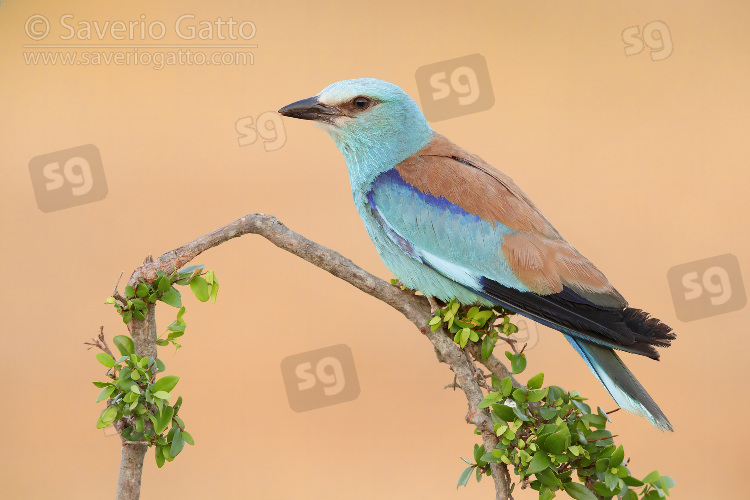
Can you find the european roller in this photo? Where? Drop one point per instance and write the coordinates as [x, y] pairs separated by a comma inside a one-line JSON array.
[[447, 223]]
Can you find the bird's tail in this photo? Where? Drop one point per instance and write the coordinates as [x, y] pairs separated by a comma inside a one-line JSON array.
[[620, 382]]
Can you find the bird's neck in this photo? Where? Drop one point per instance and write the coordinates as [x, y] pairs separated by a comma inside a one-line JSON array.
[[367, 157]]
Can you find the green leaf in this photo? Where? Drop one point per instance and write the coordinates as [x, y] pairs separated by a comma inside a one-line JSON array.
[[652, 478], [504, 412], [547, 413], [579, 491], [159, 456], [631, 481], [110, 300], [546, 494], [129, 292], [603, 490], [536, 381], [127, 316], [602, 437], [548, 478], [478, 452], [189, 271], [517, 361], [177, 443], [465, 333], [521, 415], [139, 304], [555, 443], [519, 395], [481, 317], [214, 288], [101, 384], [141, 290], [165, 383], [163, 419], [488, 345], [109, 415], [124, 344], [188, 438], [162, 284], [105, 393], [630, 495], [165, 452], [506, 386], [105, 359], [490, 399], [610, 480], [172, 297], [463, 479], [536, 395], [666, 482], [162, 395], [617, 457], [539, 462], [160, 367], [199, 286], [595, 420]]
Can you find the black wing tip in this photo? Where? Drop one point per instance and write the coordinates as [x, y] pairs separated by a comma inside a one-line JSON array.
[[629, 329]]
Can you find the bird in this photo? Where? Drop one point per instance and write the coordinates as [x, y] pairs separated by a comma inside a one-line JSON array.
[[450, 225]]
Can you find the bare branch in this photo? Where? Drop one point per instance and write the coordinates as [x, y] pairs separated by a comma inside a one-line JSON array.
[[415, 308], [100, 343]]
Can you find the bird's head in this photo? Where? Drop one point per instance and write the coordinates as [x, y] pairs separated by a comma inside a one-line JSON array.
[[368, 118]]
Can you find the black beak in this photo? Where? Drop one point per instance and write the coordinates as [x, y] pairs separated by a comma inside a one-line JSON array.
[[310, 109]]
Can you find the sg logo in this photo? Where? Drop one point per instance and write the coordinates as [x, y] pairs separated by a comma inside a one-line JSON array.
[[269, 127], [660, 46], [527, 333], [319, 378], [707, 287], [68, 178], [455, 87]]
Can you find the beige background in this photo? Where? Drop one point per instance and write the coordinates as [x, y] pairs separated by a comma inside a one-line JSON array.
[[642, 165]]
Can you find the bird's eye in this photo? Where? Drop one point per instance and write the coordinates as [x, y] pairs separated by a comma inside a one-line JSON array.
[[361, 102]]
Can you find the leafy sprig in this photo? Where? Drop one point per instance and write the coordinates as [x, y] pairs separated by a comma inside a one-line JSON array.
[[546, 434], [142, 402], [135, 303], [134, 396], [484, 325]]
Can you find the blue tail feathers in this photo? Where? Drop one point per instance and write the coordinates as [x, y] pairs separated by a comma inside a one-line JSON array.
[[621, 384]]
